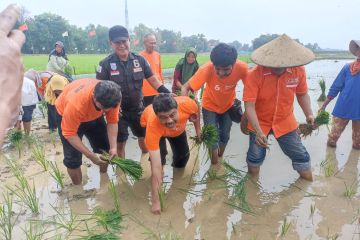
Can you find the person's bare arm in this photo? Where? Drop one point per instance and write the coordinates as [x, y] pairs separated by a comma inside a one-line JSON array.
[[154, 82], [76, 142], [305, 104], [261, 138], [156, 180], [11, 68], [112, 131]]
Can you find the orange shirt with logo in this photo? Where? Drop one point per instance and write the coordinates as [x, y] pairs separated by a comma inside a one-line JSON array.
[[75, 104], [154, 60], [219, 94], [155, 130], [274, 97]]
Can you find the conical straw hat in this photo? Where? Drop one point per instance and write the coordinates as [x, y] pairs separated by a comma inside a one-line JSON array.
[[353, 46], [282, 52]]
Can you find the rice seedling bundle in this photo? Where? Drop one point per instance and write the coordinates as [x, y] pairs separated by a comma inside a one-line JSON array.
[[323, 118], [130, 167], [209, 136], [323, 89]]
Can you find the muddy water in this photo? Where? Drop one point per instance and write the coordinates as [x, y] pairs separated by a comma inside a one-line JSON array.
[[195, 208]]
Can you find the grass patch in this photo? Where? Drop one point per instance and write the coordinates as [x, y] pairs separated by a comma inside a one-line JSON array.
[[87, 63]]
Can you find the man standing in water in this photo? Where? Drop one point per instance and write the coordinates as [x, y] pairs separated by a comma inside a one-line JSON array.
[[128, 70], [269, 93], [167, 117], [153, 58]]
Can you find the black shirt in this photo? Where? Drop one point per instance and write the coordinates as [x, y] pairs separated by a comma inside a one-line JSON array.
[[129, 75]]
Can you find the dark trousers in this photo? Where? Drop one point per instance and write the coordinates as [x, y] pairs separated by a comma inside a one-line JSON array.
[[180, 148], [52, 121]]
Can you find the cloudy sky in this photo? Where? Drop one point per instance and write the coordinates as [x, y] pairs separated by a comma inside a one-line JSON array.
[[330, 23]]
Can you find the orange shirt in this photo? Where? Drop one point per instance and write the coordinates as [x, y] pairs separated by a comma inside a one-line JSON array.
[[219, 94], [274, 97], [41, 89], [75, 104], [155, 130], [155, 63]]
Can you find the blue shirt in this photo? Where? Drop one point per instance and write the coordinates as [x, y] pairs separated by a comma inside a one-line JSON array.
[[348, 104]]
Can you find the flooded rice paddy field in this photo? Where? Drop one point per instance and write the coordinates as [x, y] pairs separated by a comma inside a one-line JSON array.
[[197, 198]]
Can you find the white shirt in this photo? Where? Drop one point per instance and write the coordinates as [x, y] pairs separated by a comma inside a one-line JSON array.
[[29, 95]]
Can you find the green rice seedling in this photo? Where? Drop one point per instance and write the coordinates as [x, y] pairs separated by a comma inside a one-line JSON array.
[[130, 167], [209, 136], [322, 85], [212, 174], [114, 195], [15, 137], [23, 191], [328, 168], [43, 108], [162, 196], [190, 94], [34, 231], [27, 195], [238, 179], [285, 226], [7, 222], [109, 220], [323, 118], [350, 191], [38, 154], [56, 174], [104, 236], [61, 220], [312, 210]]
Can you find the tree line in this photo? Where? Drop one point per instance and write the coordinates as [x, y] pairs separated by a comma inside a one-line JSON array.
[[42, 31]]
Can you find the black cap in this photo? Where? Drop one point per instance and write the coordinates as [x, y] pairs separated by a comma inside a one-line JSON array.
[[118, 33]]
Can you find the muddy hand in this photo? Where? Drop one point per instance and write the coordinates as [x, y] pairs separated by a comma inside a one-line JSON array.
[[97, 160]]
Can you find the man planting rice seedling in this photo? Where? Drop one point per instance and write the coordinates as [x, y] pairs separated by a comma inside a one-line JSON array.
[[80, 110], [269, 94], [167, 118]]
